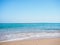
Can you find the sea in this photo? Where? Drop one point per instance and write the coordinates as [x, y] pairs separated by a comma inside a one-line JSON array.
[[22, 31]]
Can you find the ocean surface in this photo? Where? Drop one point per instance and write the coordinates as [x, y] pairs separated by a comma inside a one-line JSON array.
[[20, 31], [38, 26]]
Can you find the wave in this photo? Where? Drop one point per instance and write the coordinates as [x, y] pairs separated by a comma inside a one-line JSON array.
[[22, 36]]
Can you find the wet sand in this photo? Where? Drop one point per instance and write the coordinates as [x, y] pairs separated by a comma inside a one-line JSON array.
[[48, 41]]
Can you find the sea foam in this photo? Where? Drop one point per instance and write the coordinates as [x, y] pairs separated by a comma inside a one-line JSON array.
[[25, 35]]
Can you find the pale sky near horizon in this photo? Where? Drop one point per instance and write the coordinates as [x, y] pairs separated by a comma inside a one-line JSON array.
[[29, 11]]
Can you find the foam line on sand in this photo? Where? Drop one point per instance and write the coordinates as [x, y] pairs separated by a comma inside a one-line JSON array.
[[33, 36]]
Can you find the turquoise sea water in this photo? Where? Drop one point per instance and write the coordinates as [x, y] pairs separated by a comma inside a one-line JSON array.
[[30, 25], [20, 26], [18, 31]]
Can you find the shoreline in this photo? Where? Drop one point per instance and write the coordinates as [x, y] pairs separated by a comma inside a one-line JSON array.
[[26, 36], [23, 39]]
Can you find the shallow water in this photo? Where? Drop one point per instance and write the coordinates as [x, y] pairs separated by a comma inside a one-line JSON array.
[[20, 31]]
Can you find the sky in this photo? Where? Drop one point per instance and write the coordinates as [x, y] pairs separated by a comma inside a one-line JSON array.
[[29, 11]]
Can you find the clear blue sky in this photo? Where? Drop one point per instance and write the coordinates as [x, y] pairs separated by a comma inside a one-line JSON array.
[[29, 11]]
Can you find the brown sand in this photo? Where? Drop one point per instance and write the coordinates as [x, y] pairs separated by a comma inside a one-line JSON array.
[[55, 41]]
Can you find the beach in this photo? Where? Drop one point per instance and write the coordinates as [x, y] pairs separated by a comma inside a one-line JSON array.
[[45, 41]]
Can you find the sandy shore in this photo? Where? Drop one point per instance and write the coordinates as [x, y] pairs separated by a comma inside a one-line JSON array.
[[48, 41]]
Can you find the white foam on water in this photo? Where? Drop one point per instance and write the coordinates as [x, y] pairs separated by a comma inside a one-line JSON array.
[[22, 36]]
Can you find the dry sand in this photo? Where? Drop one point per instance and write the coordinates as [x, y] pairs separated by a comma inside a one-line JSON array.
[[53, 41]]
